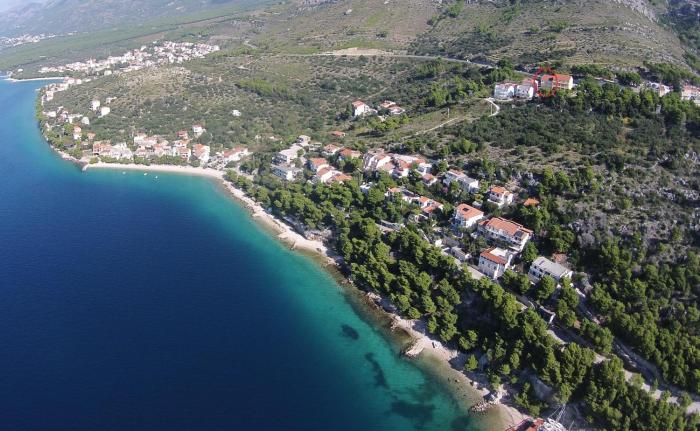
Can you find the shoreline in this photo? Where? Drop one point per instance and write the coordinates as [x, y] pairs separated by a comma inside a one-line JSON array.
[[444, 363], [432, 356], [10, 79], [281, 230]]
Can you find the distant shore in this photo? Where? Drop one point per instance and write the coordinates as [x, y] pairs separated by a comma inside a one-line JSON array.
[[10, 79], [439, 356]]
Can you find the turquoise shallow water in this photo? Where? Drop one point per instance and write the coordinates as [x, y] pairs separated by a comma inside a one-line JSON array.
[[135, 302]]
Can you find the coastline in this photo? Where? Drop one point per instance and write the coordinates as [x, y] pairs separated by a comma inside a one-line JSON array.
[[441, 361], [10, 79]]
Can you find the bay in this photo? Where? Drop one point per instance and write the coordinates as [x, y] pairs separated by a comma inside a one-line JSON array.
[[134, 302]]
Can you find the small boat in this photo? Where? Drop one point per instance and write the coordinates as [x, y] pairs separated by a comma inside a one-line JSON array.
[[156, 176], [123, 173], [145, 173]]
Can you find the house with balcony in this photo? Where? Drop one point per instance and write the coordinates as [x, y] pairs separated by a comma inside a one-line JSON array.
[[467, 216], [500, 196], [506, 232]]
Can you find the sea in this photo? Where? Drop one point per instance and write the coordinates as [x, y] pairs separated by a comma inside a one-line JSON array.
[[155, 302]]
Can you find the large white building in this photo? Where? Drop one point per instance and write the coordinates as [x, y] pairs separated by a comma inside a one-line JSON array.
[[467, 216], [525, 91], [500, 196], [465, 183], [543, 266], [505, 231], [504, 91], [201, 152], [285, 172], [494, 262], [359, 108], [556, 81], [374, 160], [288, 155]]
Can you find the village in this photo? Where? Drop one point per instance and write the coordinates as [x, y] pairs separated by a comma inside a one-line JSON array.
[[158, 53], [467, 218], [6, 42], [308, 160]]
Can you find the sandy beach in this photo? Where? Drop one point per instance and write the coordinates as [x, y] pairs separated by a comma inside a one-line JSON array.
[[450, 361]]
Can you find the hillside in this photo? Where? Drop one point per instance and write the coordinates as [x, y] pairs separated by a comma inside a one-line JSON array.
[[617, 33], [66, 16], [590, 31], [609, 168]]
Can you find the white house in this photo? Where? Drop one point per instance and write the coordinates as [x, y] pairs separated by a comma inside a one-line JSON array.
[[85, 121], [95, 105], [468, 184], [543, 266], [359, 108], [494, 262], [77, 133], [198, 130], [429, 179], [303, 140], [288, 155], [428, 206], [317, 163], [504, 91], [236, 113], [160, 150], [505, 231], [235, 154], [104, 111], [374, 160], [285, 172], [330, 150], [467, 216], [121, 151], [142, 139], [325, 174], [525, 91], [658, 88], [183, 152], [691, 92], [557, 81], [201, 152], [500, 196]]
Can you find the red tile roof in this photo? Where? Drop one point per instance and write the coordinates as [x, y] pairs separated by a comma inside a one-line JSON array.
[[318, 161], [510, 227], [468, 212], [486, 254], [499, 190], [340, 177], [531, 202]]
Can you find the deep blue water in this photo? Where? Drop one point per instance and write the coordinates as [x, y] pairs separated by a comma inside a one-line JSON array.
[[129, 302]]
